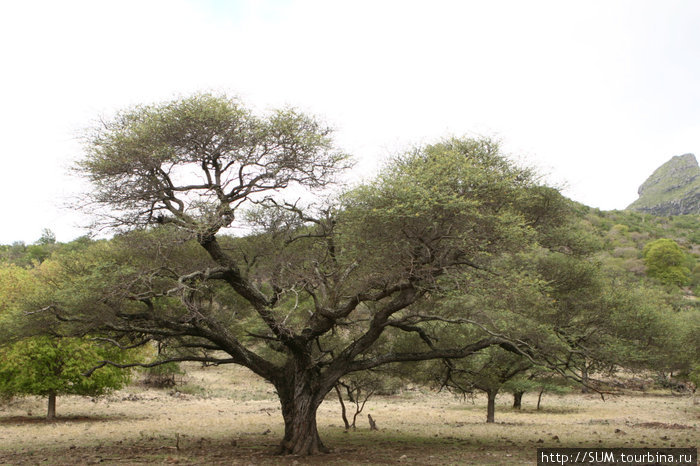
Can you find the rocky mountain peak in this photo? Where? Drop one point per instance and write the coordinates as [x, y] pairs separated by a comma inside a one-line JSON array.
[[673, 188]]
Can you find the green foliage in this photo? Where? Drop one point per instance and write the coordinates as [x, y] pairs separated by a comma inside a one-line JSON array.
[[130, 159], [47, 237], [460, 196], [623, 254], [15, 283], [489, 370], [47, 365], [17, 286], [694, 375], [682, 345], [641, 332], [16, 254], [666, 261], [539, 379], [20, 254]]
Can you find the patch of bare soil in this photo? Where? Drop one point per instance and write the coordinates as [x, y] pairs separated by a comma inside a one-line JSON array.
[[261, 451], [19, 420], [661, 425]]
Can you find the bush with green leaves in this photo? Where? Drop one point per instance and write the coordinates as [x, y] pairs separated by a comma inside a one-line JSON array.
[[48, 366], [666, 261]]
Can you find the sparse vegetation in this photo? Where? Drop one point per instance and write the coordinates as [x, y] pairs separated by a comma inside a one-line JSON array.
[[138, 425]]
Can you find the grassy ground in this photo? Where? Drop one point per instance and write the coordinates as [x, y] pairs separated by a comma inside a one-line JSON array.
[[227, 416]]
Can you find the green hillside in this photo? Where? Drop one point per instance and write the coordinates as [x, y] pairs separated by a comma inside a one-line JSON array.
[[624, 235]]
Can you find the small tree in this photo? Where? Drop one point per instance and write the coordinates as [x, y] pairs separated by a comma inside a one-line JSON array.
[[358, 389], [488, 371], [48, 367], [666, 261], [539, 380]]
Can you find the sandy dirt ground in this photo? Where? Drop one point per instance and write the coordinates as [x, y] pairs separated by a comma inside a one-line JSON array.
[[228, 416]]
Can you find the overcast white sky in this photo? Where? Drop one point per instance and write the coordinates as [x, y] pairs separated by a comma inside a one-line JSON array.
[[596, 94]]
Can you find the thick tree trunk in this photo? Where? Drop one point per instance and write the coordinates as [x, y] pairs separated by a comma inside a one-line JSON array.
[[491, 406], [300, 398], [518, 400], [51, 413], [300, 431]]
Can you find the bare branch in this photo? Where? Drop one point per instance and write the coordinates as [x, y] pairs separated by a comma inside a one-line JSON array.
[[214, 361], [119, 345]]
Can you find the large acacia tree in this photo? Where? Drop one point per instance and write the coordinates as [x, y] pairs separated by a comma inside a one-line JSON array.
[[311, 292]]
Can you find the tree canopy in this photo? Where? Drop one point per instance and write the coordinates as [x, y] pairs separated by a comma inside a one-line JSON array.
[[666, 261], [47, 365]]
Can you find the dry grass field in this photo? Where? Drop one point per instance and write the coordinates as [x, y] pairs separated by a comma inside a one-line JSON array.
[[227, 416]]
